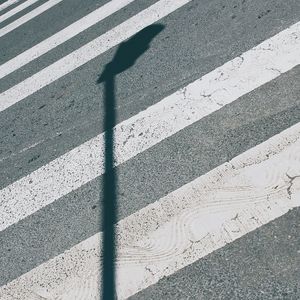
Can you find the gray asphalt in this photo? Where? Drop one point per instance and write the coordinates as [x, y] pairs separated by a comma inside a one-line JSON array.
[[263, 264], [197, 38], [11, 6]]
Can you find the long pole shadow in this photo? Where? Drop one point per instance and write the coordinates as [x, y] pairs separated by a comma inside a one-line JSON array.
[[127, 54]]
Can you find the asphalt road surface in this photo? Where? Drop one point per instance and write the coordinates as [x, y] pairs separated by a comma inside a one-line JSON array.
[[204, 98]]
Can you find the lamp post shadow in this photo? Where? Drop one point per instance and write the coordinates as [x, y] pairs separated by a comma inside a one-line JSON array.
[[126, 55]]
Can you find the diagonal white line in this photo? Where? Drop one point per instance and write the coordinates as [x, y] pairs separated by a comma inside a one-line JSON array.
[[17, 9], [180, 228], [220, 87], [89, 51], [8, 3], [62, 36], [32, 14]]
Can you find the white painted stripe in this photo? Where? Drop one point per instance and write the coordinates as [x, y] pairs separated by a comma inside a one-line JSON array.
[[7, 4], [151, 126], [89, 51], [17, 9], [202, 216], [62, 36], [29, 16]]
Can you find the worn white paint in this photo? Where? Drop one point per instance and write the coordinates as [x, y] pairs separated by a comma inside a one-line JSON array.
[[17, 9], [89, 51], [151, 126], [177, 230], [7, 4], [29, 16], [62, 36]]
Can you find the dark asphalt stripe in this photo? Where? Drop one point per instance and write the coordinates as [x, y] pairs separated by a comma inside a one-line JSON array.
[[154, 173], [70, 111], [264, 264], [3, 1], [73, 44], [4, 11], [20, 14], [44, 25]]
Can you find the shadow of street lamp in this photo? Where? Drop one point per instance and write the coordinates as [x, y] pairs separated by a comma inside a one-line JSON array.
[[126, 55]]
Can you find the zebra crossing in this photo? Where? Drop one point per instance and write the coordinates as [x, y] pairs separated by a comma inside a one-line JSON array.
[[15, 10], [181, 196], [6, 4]]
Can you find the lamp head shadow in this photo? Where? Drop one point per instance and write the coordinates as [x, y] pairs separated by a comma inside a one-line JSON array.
[[128, 52]]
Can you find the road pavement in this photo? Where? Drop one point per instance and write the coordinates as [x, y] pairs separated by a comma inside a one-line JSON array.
[[241, 58]]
